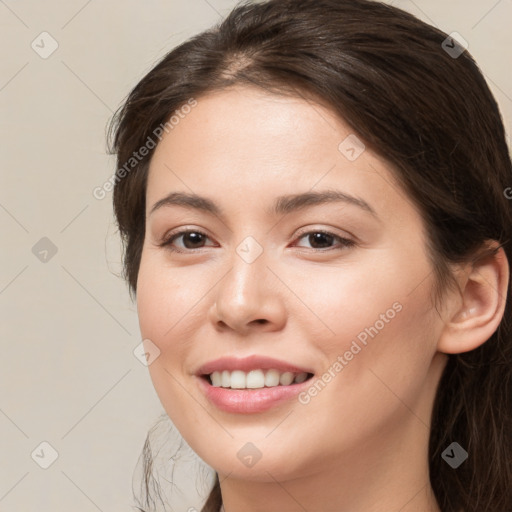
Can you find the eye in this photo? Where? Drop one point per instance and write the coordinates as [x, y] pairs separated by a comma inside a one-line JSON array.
[[321, 237], [192, 238]]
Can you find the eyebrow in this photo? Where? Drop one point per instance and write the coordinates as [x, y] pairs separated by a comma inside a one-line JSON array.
[[282, 206]]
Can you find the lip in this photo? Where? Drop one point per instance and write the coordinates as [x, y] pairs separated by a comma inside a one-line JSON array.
[[249, 401], [246, 364]]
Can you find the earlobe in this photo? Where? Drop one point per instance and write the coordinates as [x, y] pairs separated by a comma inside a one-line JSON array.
[[473, 321]]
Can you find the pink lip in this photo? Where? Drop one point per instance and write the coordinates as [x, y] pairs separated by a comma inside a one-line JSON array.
[[247, 364], [249, 401]]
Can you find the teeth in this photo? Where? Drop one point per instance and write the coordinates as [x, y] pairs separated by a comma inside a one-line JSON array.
[[301, 377], [238, 380], [255, 379], [272, 378], [286, 378]]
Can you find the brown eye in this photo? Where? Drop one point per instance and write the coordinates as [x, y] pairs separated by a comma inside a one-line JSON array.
[[316, 239], [191, 239], [322, 238]]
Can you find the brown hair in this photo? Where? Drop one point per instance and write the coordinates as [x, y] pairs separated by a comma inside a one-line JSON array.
[[433, 118]]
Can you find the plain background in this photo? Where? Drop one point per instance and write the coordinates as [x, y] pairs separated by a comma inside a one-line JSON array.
[[68, 374]]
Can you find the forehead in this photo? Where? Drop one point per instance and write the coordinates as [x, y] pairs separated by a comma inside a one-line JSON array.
[[252, 125], [245, 145]]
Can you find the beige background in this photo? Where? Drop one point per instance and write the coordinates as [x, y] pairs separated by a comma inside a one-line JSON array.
[[68, 375]]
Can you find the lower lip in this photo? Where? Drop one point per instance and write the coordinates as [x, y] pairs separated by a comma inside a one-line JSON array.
[[248, 401]]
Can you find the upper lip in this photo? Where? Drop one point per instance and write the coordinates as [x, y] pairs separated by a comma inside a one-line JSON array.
[[246, 364]]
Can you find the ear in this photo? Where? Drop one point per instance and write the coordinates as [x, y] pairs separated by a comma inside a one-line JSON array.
[[474, 316]]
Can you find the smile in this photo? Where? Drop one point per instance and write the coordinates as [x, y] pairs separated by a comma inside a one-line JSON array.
[[250, 401]]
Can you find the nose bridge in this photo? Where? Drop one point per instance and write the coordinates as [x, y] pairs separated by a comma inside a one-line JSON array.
[[243, 284], [245, 294]]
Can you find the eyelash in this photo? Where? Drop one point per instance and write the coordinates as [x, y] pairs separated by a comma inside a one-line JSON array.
[[345, 242]]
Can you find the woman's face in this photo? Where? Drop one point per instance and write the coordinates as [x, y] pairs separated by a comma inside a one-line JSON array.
[[258, 278]]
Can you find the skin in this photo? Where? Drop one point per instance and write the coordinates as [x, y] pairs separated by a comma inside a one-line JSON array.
[[361, 444]]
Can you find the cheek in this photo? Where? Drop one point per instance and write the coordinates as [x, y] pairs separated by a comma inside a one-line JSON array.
[[159, 306], [386, 346], [166, 298], [375, 366], [376, 317], [341, 303], [165, 306]]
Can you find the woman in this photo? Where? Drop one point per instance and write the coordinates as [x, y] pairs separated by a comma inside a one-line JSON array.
[[312, 198]]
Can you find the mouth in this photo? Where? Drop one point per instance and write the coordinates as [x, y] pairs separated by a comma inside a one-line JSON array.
[[252, 384], [238, 397]]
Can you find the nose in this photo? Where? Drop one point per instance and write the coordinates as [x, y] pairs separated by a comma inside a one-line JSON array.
[[248, 298]]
